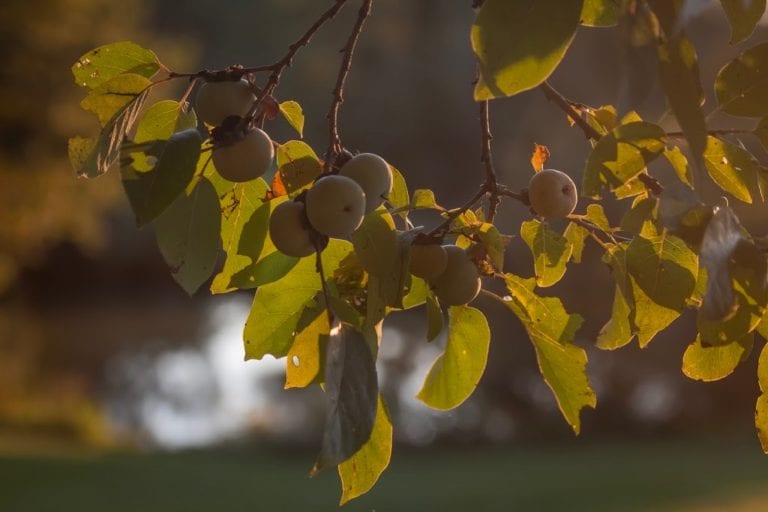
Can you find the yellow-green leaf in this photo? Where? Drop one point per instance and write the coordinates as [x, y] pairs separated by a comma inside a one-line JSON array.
[[761, 409], [456, 372], [303, 364], [293, 113], [679, 163], [298, 165], [733, 169], [113, 96], [551, 251], [106, 62], [360, 472], [618, 331], [277, 306], [551, 329], [576, 236], [601, 13], [398, 197], [519, 44], [714, 362], [621, 155]]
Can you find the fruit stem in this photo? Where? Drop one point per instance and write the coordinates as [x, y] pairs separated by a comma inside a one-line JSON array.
[[334, 142]]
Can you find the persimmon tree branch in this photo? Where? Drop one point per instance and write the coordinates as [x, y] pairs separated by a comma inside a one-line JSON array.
[[491, 185], [334, 142], [567, 106]]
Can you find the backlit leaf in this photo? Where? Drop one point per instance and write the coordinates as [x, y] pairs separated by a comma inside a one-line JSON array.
[[456, 372], [551, 251], [576, 236], [551, 329], [111, 97], [398, 197], [761, 410], [277, 306], [297, 165], [733, 169], [539, 157], [360, 472], [742, 84], [621, 155], [519, 44], [601, 13], [710, 363], [434, 318], [163, 119], [105, 62], [293, 113], [679, 163], [618, 331], [303, 364]]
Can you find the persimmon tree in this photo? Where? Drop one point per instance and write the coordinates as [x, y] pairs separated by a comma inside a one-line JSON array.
[[323, 236]]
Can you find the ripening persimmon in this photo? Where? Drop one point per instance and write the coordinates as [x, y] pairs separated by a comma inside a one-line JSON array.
[[427, 261], [374, 176], [289, 231], [215, 101], [335, 206], [245, 159], [460, 281], [552, 194]]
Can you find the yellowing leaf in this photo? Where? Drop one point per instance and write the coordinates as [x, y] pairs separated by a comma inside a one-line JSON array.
[[679, 163], [761, 409], [715, 362], [456, 372], [113, 96], [539, 157], [576, 236], [293, 113], [618, 331], [360, 472], [297, 165], [551, 329], [550, 250], [519, 44], [601, 13], [303, 364], [398, 197]]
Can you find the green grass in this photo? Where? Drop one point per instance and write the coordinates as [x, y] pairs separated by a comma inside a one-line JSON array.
[[576, 477]]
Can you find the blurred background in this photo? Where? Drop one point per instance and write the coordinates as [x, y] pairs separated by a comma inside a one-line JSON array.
[[120, 392]]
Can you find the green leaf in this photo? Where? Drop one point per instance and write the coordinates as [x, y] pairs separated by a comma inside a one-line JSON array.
[[245, 239], [618, 331], [741, 86], [298, 165], [601, 13], [100, 65], [113, 96], [175, 161], [456, 372], [416, 293], [761, 410], [383, 254], [576, 236], [551, 329], [360, 472], [188, 236], [550, 250], [733, 169], [621, 155], [163, 119], [92, 157], [293, 113], [277, 306], [743, 16], [303, 364], [519, 44], [662, 272], [709, 363], [352, 393], [679, 74], [641, 218], [267, 264], [679, 164], [434, 317], [398, 197]]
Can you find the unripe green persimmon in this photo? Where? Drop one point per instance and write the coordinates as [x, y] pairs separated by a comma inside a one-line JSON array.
[[246, 159], [427, 261], [288, 231], [373, 175], [552, 194], [215, 101], [460, 282], [335, 206]]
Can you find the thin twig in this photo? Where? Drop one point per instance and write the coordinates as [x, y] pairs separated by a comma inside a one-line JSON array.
[[334, 142], [278, 67], [491, 185], [715, 133], [442, 228]]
